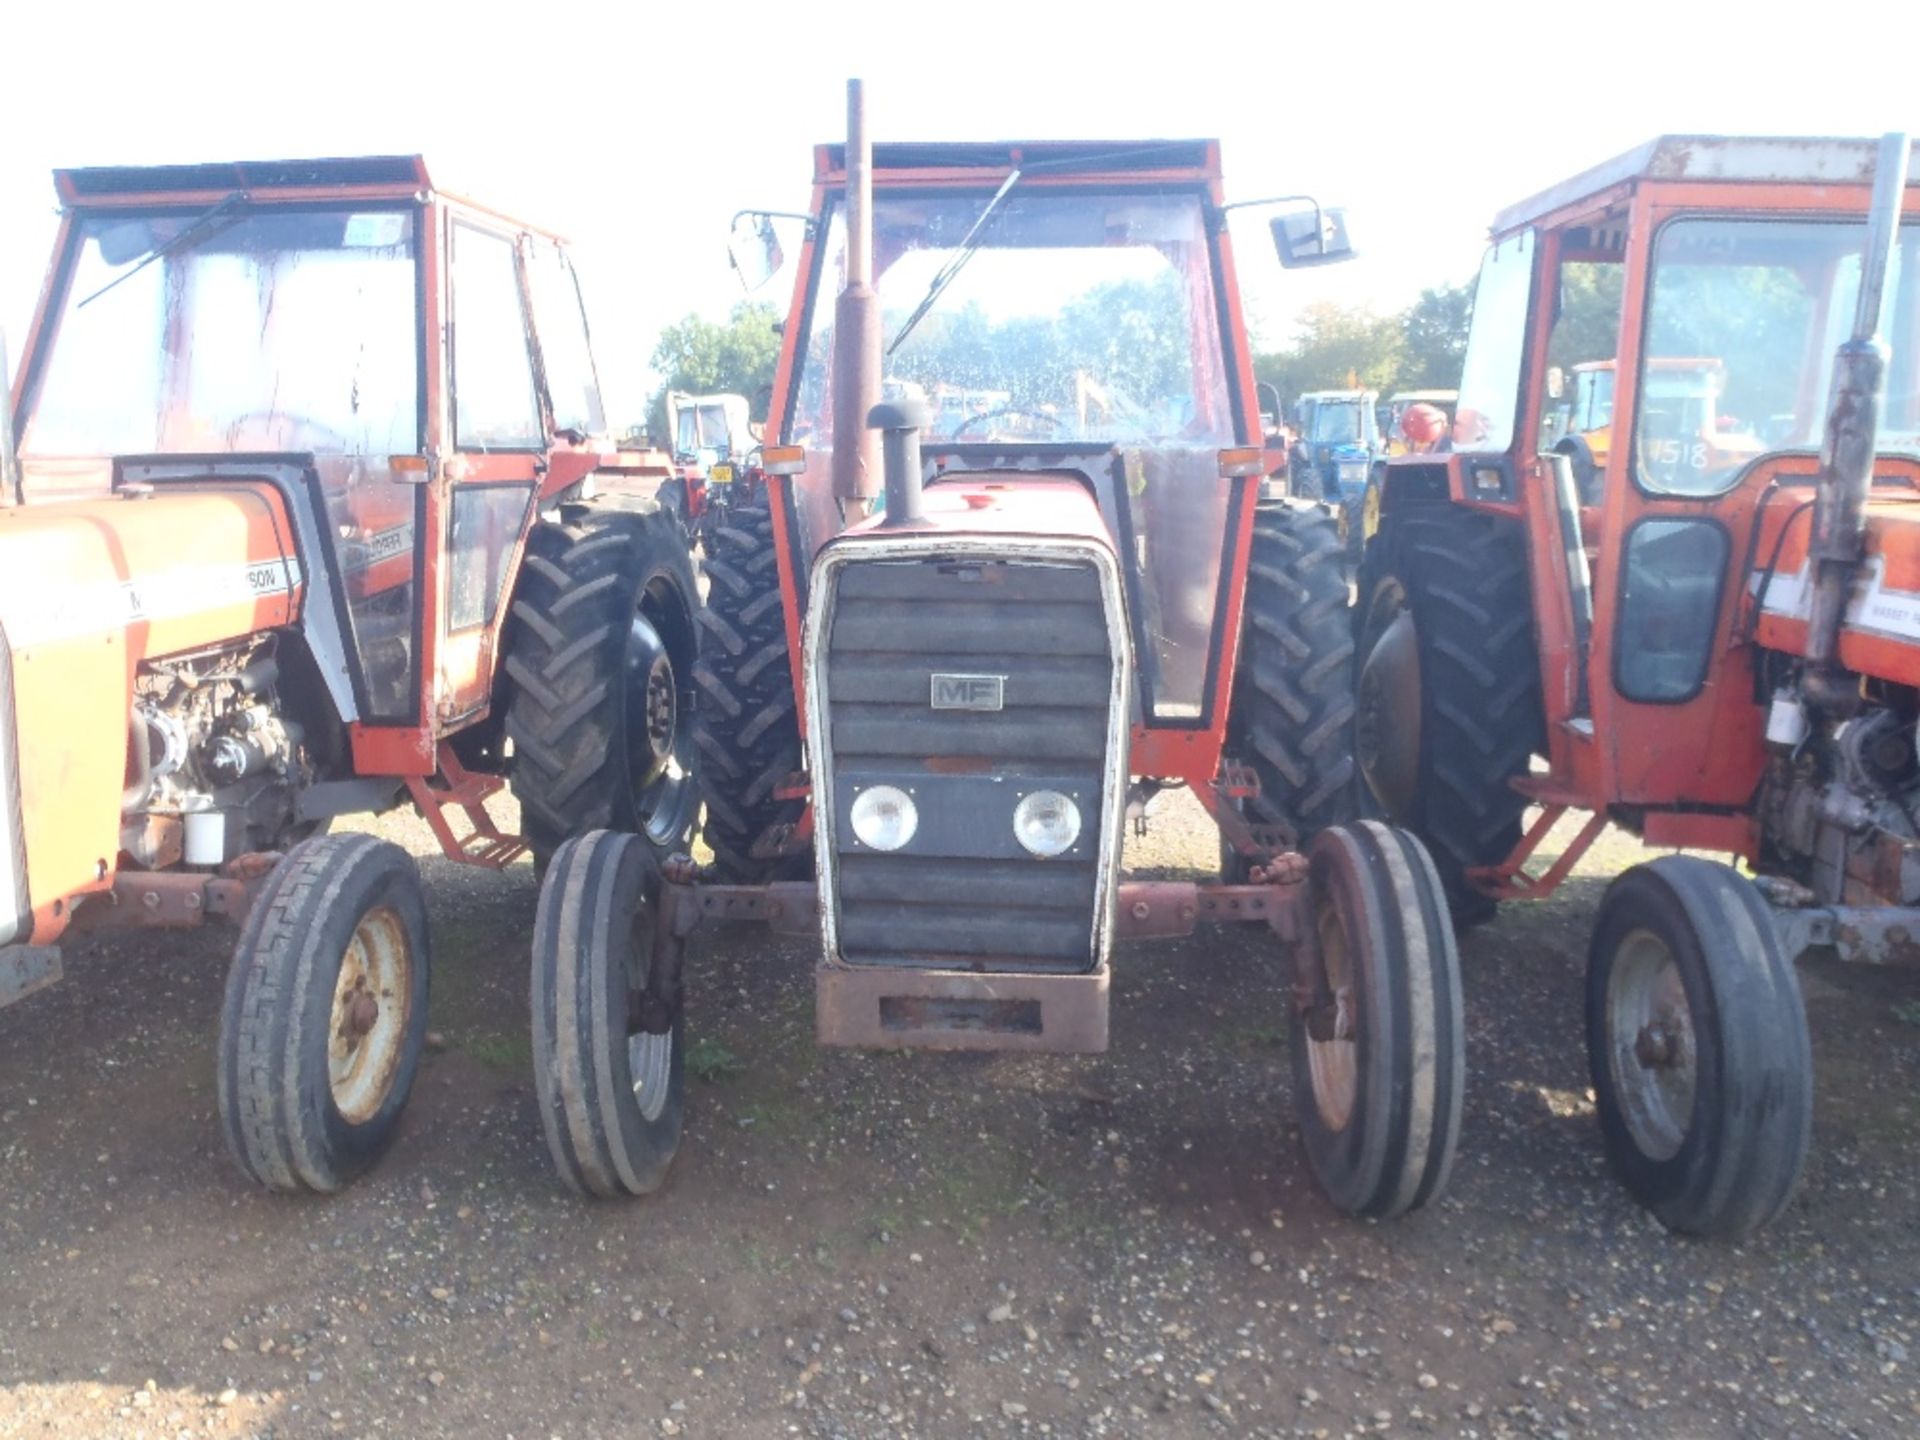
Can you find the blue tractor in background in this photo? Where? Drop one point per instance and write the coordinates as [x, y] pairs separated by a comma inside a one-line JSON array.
[[1338, 440]]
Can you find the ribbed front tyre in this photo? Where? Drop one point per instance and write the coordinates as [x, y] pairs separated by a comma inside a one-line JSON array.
[[1378, 1054], [609, 1066], [1697, 1039]]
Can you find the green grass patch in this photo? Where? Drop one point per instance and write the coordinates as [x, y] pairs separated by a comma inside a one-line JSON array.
[[711, 1062]]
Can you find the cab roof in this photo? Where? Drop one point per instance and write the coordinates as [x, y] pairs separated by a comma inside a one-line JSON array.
[[1752, 159], [1200, 158], [361, 177]]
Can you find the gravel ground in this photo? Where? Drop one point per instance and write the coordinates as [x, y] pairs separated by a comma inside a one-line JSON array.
[[863, 1245]]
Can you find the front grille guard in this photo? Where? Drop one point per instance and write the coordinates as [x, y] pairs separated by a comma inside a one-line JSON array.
[[1119, 702]]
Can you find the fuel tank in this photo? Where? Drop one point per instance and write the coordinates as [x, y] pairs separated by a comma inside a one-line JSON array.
[[89, 590], [1880, 636]]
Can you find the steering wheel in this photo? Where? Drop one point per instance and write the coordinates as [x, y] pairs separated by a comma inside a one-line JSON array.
[[1052, 421]]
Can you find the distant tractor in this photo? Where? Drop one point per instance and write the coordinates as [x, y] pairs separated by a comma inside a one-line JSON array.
[[1394, 409], [302, 529], [712, 438], [1716, 647], [1338, 442], [931, 707]]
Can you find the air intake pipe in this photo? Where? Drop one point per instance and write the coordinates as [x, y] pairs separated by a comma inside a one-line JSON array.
[[900, 423], [1837, 544]]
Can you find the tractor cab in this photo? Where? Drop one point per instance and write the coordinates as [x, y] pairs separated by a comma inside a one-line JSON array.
[[1674, 550]]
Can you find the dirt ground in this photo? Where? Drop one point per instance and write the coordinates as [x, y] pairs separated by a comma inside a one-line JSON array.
[[863, 1245]]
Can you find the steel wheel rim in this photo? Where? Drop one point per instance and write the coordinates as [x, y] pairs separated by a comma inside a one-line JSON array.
[[650, 1066], [1651, 1047], [660, 737], [367, 1025], [1333, 1066]]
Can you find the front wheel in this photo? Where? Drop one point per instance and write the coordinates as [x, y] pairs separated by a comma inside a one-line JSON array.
[[1697, 1040], [608, 1056], [1379, 1052], [325, 1013]]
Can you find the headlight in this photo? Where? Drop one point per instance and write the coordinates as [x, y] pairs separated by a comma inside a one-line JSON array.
[[884, 818], [1046, 823], [1353, 472]]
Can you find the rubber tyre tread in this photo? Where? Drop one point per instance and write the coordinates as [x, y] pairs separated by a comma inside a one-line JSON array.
[[1752, 1124], [584, 934], [1291, 718], [275, 1100], [1466, 579], [1396, 1152], [565, 654], [747, 726]]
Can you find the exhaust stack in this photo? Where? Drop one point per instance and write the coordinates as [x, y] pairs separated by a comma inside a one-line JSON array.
[[900, 423], [1847, 448], [856, 327]]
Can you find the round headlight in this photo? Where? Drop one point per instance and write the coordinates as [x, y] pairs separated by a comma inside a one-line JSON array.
[[1046, 823], [884, 817]]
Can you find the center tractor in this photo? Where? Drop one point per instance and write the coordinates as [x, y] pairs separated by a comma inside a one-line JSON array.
[[307, 510], [950, 653], [1693, 611]]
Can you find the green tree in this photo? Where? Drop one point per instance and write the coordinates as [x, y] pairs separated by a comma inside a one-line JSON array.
[[708, 358], [1434, 329], [1332, 344]]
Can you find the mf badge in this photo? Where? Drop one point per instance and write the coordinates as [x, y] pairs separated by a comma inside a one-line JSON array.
[[969, 692]]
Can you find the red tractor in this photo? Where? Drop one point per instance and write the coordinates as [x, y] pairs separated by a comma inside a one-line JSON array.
[[1713, 641], [310, 515], [945, 662]]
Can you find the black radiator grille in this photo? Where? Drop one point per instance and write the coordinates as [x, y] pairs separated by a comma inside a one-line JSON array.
[[963, 893]]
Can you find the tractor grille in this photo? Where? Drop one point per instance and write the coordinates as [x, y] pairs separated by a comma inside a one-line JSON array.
[[918, 653]]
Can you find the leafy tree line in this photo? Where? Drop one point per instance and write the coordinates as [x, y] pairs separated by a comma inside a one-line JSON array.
[[1419, 348], [1128, 333]]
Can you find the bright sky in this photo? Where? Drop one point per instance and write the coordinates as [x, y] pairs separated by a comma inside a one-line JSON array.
[[639, 129]]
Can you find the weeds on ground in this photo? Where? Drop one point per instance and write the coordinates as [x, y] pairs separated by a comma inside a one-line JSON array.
[[712, 1062]]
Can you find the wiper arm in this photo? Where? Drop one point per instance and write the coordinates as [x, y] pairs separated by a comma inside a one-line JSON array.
[[194, 231], [948, 272]]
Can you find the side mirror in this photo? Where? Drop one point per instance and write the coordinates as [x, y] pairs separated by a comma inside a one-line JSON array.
[[1311, 237], [1556, 382], [754, 248]]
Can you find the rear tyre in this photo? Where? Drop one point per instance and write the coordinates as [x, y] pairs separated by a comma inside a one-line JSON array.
[[1697, 1040], [1291, 720], [747, 730], [1449, 688], [612, 1094], [325, 1013], [600, 656], [1378, 1058]]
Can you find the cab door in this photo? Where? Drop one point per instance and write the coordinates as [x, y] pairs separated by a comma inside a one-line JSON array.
[[500, 446]]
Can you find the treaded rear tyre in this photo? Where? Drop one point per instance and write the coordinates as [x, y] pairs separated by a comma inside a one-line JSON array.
[[1697, 1042], [1379, 1106], [1461, 577], [612, 1097], [1291, 719], [600, 655], [747, 730], [314, 1068]]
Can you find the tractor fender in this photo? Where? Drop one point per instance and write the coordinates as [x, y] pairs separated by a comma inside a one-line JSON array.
[[88, 590]]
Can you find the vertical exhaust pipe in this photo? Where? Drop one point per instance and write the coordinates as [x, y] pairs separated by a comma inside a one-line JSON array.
[[856, 326], [1847, 448]]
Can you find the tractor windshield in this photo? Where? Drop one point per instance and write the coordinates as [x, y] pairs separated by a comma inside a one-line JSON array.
[[1742, 323], [1337, 422], [255, 330], [1081, 317]]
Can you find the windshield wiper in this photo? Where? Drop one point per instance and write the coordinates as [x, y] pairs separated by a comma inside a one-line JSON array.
[[968, 244], [194, 231]]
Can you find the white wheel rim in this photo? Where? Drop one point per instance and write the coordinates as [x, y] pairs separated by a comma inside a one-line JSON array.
[[1651, 1047], [367, 1027], [1334, 1065], [650, 1063]]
